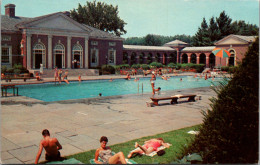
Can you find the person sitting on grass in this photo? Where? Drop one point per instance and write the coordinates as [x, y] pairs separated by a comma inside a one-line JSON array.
[[105, 153], [148, 147], [51, 146]]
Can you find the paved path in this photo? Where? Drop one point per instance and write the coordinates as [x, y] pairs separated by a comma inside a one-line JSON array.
[[78, 124]]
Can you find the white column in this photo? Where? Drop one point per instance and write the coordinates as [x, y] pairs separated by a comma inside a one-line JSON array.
[[29, 53], [86, 52], [50, 52], [69, 52]]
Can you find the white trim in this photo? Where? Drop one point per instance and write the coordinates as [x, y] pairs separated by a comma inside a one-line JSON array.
[[96, 55], [62, 53], [43, 54], [80, 53], [10, 55], [114, 54]]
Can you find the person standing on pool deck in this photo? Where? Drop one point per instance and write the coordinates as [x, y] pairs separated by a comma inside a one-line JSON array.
[[56, 75], [51, 146], [65, 77], [60, 74]]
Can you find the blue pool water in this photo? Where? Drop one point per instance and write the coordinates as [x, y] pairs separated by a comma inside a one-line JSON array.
[[88, 89]]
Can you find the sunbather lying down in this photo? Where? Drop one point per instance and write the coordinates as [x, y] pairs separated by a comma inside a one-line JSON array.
[[148, 147]]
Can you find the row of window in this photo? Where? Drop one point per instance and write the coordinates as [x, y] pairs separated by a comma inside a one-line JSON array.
[[39, 51], [95, 43]]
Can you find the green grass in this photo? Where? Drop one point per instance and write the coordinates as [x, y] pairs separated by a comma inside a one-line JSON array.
[[178, 139]]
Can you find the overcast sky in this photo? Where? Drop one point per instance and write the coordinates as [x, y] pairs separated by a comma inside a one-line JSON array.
[[161, 17]]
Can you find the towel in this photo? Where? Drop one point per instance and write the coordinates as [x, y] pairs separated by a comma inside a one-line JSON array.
[[194, 132], [154, 152], [128, 161], [67, 161]]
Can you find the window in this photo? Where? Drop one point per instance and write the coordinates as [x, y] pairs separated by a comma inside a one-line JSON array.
[[39, 55], [6, 38], [111, 56], [112, 43], [94, 57], [77, 52], [94, 43], [59, 59], [6, 55]]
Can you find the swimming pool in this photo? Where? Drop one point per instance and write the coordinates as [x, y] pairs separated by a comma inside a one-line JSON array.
[[89, 89]]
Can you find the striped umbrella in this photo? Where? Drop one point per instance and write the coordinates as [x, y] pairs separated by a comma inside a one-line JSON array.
[[222, 53]]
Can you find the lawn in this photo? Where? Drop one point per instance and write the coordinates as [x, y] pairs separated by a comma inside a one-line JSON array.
[[178, 139]]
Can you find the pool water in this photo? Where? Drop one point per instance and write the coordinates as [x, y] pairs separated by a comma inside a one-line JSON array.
[[88, 89]]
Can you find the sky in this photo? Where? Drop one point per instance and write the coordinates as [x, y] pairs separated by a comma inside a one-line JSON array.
[[160, 17]]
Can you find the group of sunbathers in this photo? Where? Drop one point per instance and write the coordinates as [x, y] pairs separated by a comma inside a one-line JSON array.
[[104, 152]]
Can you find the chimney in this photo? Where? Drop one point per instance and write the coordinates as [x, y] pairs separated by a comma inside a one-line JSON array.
[[10, 10], [67, 13]]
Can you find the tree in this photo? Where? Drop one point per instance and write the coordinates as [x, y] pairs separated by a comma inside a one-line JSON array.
[[101, 16], [201, 38], [242, 28], [214, 32], [224, 24], [229, 133], [152, 40]]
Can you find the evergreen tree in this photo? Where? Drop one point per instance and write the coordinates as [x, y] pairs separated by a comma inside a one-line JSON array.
[[229, 133], [201, 38], [214, 32], [152, 40], [101, 16], [224, 24], [242, 28]]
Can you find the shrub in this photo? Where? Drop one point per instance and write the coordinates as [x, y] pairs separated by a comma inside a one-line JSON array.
[[107, 69], [171, 65], [229, 133], [232, 69], [178, 66], [3, 69], [17, 71], [199, 67], [124, 66], [135, 66], [224, 68], [10, 70], [155, 65], [18, 66], [145, 66]]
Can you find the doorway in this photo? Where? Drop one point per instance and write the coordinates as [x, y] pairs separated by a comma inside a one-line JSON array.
[[58, 60], [38, 60]]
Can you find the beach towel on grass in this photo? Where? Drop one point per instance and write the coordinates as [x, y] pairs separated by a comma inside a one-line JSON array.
[[128, 161], [154, 152], [67, 161]]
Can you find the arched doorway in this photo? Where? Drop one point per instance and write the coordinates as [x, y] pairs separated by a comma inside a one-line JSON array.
[[39, 55], [133, 58], [231, 59], [212, 60], [141, 58], [193, 58], [77, 52], [184, 58], [125, 58], [202, 58], [173, 58], [149, 58], [59, 59], [157, 57]]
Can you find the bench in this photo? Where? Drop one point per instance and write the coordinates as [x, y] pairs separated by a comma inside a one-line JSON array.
[[174, 99], [9, 79], [5, 87]]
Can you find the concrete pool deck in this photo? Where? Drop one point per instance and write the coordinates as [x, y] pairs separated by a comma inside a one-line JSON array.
[[78, 124]]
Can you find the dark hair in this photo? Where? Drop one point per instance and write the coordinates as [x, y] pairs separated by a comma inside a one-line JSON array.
[[45, 132], [160, 139], [103, 138], [159, 88]]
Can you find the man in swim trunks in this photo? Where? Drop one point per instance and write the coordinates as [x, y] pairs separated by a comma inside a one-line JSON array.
[[51, 146], [148, 147]]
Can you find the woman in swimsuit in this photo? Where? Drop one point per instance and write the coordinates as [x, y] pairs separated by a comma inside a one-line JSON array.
[[105, 153], [148, 147]]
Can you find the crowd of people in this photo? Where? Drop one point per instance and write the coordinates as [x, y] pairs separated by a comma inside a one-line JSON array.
[[104, 152]]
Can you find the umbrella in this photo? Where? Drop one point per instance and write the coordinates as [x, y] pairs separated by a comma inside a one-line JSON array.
[[220, 52]]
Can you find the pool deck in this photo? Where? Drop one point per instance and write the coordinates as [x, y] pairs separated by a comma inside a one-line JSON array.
[[78, 124]]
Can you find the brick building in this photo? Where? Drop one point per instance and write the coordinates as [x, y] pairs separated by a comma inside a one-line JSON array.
[[57, 40]]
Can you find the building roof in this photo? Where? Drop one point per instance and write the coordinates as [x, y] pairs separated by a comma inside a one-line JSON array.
[[13, 24], [144, 48], [236, 39], [176, 42], [194, 49]]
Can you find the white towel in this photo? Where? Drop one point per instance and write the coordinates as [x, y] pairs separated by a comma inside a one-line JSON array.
[[194, 132], [177, 96]]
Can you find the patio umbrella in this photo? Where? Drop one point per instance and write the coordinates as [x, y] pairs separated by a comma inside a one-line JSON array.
[[220, 52]]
